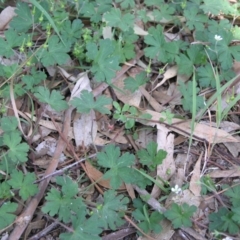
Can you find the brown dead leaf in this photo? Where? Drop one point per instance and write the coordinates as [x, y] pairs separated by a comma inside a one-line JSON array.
[[225, 173], [50, 125], [85, 128], [42, 133], [48, 146], [204, 132], [167, 168], [170, 73], [96, 175], [6, 16], [124, 95], [194, 186], [211, 134], [233, 148], [130, 191], [34, 225], [119, 139], [188, 197], [144, 137], [42, 162], [151, 100]]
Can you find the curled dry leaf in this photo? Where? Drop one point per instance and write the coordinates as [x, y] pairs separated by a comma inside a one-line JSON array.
[[82, 83], [170, 73], [139, 31], [6, 16]]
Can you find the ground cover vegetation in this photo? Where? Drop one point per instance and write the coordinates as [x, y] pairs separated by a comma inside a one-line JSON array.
[[119, 119]]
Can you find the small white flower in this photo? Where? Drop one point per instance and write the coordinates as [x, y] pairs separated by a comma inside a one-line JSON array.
[[176, 189], [227, 238], [218, 38]]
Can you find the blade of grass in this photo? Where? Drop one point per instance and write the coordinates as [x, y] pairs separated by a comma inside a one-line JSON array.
[[230, 105], [219, 99], [37, 5], [194, 111], [213, 98], [153, 180]]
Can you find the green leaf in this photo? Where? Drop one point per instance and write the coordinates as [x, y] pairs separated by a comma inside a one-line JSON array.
[[167, 116], [129, 123], [218, 26], [155, 3], [117, 106], [180, 216], [194, 19], [115, 18], [234, 194], [165, 12], [24, 183], [187, 92], [194, 56], [125, 46], [236, 32], [142, 14], [71, 31], [84, 228], [216, 7], [63, 203], [151, 156], [206, 76], [126, 3], [125, 51], [139, 178], [8, 71], [215, 220], [24, 19], [54, 99], [148, 222], [225, 52], [94, 10], [229, 224], [120, 170], [86, 103], [223, 220], [207, 185], [18, 90], [8, 124], [33, 79], [105, 62], [6, 215], [134, 84], [5, 192], [164, 51], [12, 40], [44, 11], [112, 210], [17, 151], [236, 214], [54, 53]]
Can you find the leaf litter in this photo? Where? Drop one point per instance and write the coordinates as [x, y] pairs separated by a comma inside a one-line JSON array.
[[83, 133]]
